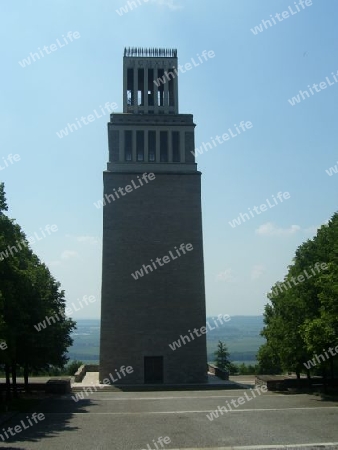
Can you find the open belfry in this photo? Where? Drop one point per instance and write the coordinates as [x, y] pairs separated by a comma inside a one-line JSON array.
[[153, 272]]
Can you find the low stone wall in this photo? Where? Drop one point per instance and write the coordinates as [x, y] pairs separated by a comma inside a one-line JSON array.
[[220, 373], [284, 383], [58, 386], [82, 370], [272, 382], [80, 373]]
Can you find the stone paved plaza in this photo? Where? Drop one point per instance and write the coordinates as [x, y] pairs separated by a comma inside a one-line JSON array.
[[135, 420]]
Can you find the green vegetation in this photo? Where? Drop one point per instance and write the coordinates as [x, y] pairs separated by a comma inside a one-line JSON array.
[[222, 356], [222, 361], [243, 369], [242, 336], [28, 294], [52, 371], [72, 367], [301, 320]]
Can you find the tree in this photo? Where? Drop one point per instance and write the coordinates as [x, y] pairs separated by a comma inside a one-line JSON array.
[[222, 357], [47, 300], [268, 361], [73, 367], [28, 294], [3, 204], [302, 317]]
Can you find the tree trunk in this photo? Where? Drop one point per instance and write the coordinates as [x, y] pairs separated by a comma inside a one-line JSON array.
[[308, 376], [15, 390], [332, 369], [25, 375], [8, 383], [298, 378], [325, 380]]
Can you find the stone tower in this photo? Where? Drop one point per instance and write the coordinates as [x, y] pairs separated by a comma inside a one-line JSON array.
[[153, 271]]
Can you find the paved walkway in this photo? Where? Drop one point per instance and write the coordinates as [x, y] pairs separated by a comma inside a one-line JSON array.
[[194, 420]]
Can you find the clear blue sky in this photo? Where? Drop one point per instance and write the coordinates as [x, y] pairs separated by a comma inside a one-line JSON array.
[[251, 78]]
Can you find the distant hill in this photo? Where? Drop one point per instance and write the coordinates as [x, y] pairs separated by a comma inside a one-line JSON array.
[[86, 345], [241, 334]]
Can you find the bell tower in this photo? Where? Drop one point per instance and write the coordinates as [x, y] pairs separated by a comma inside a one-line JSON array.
[[153, 272], [141, 67]]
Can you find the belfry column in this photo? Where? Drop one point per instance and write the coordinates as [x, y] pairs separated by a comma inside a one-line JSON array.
[[145, 90]]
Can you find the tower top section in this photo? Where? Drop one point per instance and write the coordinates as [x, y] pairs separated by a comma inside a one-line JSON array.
[[150, 52], [150, 81]]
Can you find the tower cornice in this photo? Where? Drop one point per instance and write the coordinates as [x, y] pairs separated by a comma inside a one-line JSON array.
[[150, 52]]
